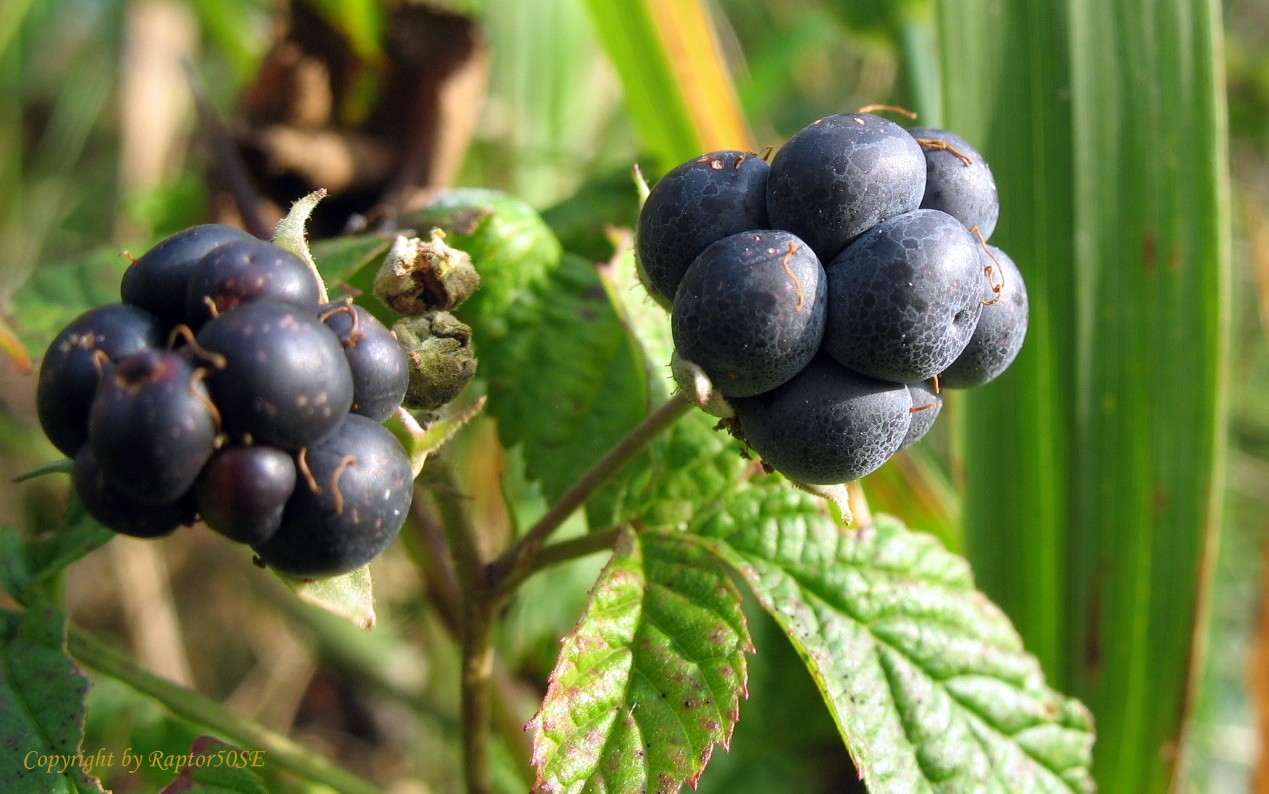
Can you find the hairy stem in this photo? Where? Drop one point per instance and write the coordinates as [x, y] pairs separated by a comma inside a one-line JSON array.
[[204, 711], [477, 704], [510, 569], [571, 549]]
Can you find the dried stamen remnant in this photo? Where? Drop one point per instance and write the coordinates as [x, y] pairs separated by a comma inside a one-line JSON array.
[[420, 276]]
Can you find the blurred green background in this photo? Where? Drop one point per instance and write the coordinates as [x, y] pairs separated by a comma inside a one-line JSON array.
[[101, 150]]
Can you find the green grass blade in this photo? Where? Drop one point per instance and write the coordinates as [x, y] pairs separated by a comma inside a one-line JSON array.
[[678, 92], [1092, 469], [1004, 91]]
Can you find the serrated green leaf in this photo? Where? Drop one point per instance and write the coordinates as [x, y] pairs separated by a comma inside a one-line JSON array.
[[28, 565], [686, 472], [928, 681], [651, 679], [349, 595], [41, 706], [564, 377], [214, 767]]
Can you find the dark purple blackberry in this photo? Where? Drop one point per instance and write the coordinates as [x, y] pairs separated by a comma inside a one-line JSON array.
[[1000, 332], [958, 180], [242, 491], [380, 371], [698, 203], [277, 374], [158, 281], [905, 297], [117, 511], [840, 176], [828, 425], [245, 271], [152, 427], [750, 311], [72, 366], [352, 497]]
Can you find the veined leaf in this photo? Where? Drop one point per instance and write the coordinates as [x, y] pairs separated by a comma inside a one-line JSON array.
[[928, 681], [651, 679], [41, 706]]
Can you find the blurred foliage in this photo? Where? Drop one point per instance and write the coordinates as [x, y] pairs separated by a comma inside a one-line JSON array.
[[555, 131]]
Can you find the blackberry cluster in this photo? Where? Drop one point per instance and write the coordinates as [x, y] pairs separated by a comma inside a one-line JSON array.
[[830, 294], [222, 387]]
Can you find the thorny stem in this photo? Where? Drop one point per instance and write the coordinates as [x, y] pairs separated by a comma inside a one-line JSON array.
[[202, 710], [511, 568]]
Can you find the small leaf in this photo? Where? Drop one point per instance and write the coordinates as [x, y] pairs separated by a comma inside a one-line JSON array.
[[419, 441], [927, 679], [291, 234], [651, 679], [350, 595], [218, 768], [28, 565], [41, 706]]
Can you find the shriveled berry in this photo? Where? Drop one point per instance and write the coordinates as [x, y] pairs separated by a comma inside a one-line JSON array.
[[151, 426], [73, 365], [245, 271], [828, 425], [1000, 332], [242, 491], [380, 372], [926, 404], [840, 176], [905, 297], [353, 495], [158, 281], [698, 203], [117, 511], [279, 376], [750, 311], [958, 180]]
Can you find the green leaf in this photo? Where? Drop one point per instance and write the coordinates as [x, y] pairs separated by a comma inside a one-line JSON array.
[[651, 679], [57, 294], [28, 566], [41, 706], [353, 260], [676, 84], [349, 595], [562, 374], [1093, 467], [214, 767], [928, 681], [690, 470], [419, 442]]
